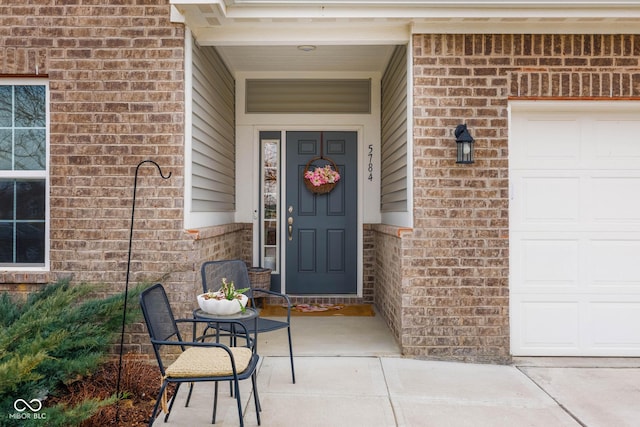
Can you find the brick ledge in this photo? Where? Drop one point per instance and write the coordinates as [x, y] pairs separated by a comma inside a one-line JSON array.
[[218, 230], [391, 230], [21, 277]]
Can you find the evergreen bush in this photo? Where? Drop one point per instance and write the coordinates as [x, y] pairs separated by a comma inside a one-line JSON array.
[[56, 336]]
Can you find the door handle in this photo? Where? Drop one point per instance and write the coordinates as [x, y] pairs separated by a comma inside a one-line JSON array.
[[290, 228]]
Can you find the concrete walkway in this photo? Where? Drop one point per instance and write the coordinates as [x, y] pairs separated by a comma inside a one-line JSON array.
[[349, 373]]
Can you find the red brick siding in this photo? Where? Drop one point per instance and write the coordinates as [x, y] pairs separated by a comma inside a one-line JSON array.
[[117, 97], [368, 264], [392, 260], [456, 305], [231, 241]]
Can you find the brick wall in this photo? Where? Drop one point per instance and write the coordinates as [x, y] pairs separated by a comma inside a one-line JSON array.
[[231, 241], [116, 98], [368, 264], [458, 278], [116, 88], [391, 261]]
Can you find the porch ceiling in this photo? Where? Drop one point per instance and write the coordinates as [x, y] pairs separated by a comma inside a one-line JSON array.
[[368, 58], [355, 35]]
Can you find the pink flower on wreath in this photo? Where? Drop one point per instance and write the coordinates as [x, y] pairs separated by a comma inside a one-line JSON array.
[[322, 175]]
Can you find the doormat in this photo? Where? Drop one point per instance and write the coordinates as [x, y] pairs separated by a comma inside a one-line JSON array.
[[318, 310]]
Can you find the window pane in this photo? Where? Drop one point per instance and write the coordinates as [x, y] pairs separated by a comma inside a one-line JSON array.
[[30, 108], [270, 234], [270, 206], [5, 149], [6, 200], [6, 242], [30, 200], [21, 238], [5, 106], [270, 193], [30, 243], [270, 155], [270, 185], [30, 149]]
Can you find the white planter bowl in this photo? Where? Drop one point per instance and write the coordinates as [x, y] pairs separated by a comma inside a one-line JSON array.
[[222, 307]]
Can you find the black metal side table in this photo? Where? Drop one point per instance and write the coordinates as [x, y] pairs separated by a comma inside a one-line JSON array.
[[231, 324]]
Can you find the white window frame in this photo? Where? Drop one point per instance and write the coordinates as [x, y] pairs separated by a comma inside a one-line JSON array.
[[35, 174]]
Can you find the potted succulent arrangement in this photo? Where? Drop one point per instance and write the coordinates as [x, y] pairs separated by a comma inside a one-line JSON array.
[[225, 301]]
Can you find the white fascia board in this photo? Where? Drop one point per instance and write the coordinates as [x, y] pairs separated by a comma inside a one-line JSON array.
[[423, 2], [551, 12], [406, 9], [526, 26], [337, 33], [374, 22], [446, 10]]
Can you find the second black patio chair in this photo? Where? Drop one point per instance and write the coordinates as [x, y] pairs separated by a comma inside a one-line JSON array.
[[196, 361], [236, 270]]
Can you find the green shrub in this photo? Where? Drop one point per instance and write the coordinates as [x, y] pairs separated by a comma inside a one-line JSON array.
[[58, 335]]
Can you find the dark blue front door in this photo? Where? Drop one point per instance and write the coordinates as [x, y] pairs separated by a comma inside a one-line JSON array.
[[321, 234]]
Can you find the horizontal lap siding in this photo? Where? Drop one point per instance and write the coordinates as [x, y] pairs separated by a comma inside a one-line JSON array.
[[316, 96], [213, 133], [394, 134]]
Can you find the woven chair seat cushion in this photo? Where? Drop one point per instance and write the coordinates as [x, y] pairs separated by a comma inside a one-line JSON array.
[[199, 362]]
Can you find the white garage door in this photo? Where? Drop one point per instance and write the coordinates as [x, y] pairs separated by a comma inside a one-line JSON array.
[[575, 228]]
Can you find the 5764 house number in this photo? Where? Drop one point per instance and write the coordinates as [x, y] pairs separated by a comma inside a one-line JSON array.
[[370, 166]]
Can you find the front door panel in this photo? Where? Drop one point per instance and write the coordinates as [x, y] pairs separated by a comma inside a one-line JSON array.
[[321, 245]]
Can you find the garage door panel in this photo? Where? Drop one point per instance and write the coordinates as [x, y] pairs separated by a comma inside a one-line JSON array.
[[614, 264], [557, 327], [538, 142], [549, 325], [614, 326], [615, 142], [575, 200], [553, 264], [571, 262], [551, 199], [614, 199]]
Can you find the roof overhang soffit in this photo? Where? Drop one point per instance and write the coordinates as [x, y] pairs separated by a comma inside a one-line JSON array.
[[240, 22]]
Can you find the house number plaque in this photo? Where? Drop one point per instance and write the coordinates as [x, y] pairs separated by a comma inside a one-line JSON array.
[[370, 167]]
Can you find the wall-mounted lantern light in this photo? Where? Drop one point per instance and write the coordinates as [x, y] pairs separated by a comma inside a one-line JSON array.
[[464, 141]]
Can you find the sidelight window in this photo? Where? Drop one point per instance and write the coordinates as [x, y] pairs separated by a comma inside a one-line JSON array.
[[270, 200]]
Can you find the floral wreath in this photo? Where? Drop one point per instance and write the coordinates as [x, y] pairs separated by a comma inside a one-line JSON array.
[[322, 179]]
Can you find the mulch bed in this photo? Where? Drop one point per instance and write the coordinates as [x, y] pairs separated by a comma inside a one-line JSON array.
[[140, 380]]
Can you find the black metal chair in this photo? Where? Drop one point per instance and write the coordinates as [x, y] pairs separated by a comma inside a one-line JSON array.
[[197, 361], [236, 270]]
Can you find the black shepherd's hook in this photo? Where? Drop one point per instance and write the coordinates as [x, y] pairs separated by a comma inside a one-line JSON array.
[[126, 287]]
